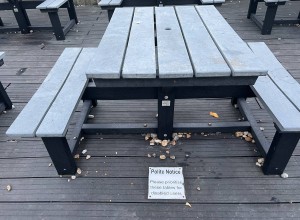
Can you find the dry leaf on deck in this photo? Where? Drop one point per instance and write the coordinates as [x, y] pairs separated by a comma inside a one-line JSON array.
[[214, 114]]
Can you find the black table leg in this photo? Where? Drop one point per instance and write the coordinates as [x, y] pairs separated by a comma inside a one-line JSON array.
[[22, 18], [4, 97], [71, 11], [57, 28], [269, 18], [166, 101], [252, 8]]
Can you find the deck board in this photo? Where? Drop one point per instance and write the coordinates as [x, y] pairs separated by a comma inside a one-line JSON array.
[[232, 186]]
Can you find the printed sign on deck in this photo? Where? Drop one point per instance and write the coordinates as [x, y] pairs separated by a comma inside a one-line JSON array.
[[166, 183]]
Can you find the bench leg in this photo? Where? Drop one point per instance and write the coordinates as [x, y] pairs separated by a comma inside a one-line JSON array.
[[166, 101], [22, 18], [110, 13], [60, 153], [280, 152], [4, 98], [252, 8], [57, 28], [269, 19], [71, 11]]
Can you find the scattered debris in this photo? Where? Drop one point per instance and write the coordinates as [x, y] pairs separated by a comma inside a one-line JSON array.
[[76, 156], [147, 136], [262, 128], [154, 155], [284, 175], [260, 162], [73, 177], [50, 164], [69, 180], [198, 188], [82, 138], [84, 151], [145, 125], [188, 204], [167, 152], [239, 134], [172, 157], [88, 157], [79, 171], [91, 116], [149, 155], [188, 135], [162, 157], [245, 135], [164, 143], [214, 114], [9, 188]]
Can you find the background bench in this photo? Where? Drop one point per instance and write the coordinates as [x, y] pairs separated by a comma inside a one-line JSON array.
[[110, 5], [5, 102], [269, 19], [280, 94], [51, 7], [47, 115]]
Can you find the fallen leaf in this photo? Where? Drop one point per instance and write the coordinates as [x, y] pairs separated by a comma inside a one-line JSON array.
[[9, 188], [214, 114], [248, 139], [164, 143], [188, 204], [162, 157]]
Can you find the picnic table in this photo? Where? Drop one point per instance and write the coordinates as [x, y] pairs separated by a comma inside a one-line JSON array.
[[163, 53], [51, 7]]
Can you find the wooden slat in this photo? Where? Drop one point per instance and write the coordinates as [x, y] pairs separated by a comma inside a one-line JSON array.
[[108, 59], [115, 2], [45, 4], [173, 58], [284, 112], [239, 57], [56, 4], [30, 118], [278, 74], [104, 3], [56, 121], [206, 58], [140, 54]]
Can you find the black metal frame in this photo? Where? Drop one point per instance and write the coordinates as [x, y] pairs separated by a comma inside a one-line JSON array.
[[269, 20], [19, 9], [166, 91], [5, 102]]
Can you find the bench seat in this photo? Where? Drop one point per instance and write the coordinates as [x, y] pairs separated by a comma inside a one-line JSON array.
[[280, 94], [51, 7], [48, 113]]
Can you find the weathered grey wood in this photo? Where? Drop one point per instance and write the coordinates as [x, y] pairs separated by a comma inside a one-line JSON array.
[[33, 113], [56, 121], [2, 55], [207, 2], [269, 1], [56, 4], [277, 73], [172, 55], [140, 61], [115, 2], [108, 59], [104, 2], [239, 57], [284, 112], [45, 4], [205, 56]]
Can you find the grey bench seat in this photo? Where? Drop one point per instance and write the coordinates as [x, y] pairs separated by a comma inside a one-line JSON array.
[[5, 102], [280, 94], [48, 113], [51, 7]]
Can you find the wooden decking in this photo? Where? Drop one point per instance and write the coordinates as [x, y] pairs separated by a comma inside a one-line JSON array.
[[113, 183]]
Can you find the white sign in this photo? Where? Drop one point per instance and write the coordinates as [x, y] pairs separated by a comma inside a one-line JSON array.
[[166, 183]]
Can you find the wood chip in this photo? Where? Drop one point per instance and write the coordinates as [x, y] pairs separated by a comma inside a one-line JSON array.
[[214, 114], [88, 157], [154, 155], [188, 136], [172, 157], [157, 141], [260, 160], [239, 134], [76, 156], [153, 135], [284, 175], [164, 143], [262, 129], [162, 157], [248, 139], [73, 177], [84, 151], [167, 152], [152, 143], [78, 171], [188, 204], [258, 164], [50, 164], [253, 141], [198, 188], [149, 155], [9, 188], [147, 137], [173, 142], [179, 135]]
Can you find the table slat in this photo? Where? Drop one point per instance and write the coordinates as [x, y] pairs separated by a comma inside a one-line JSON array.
[[104, 2], [173, 58], [2, 54], [238, 55], [206, 57], [45, 4], [140, 55], [108, 59]]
